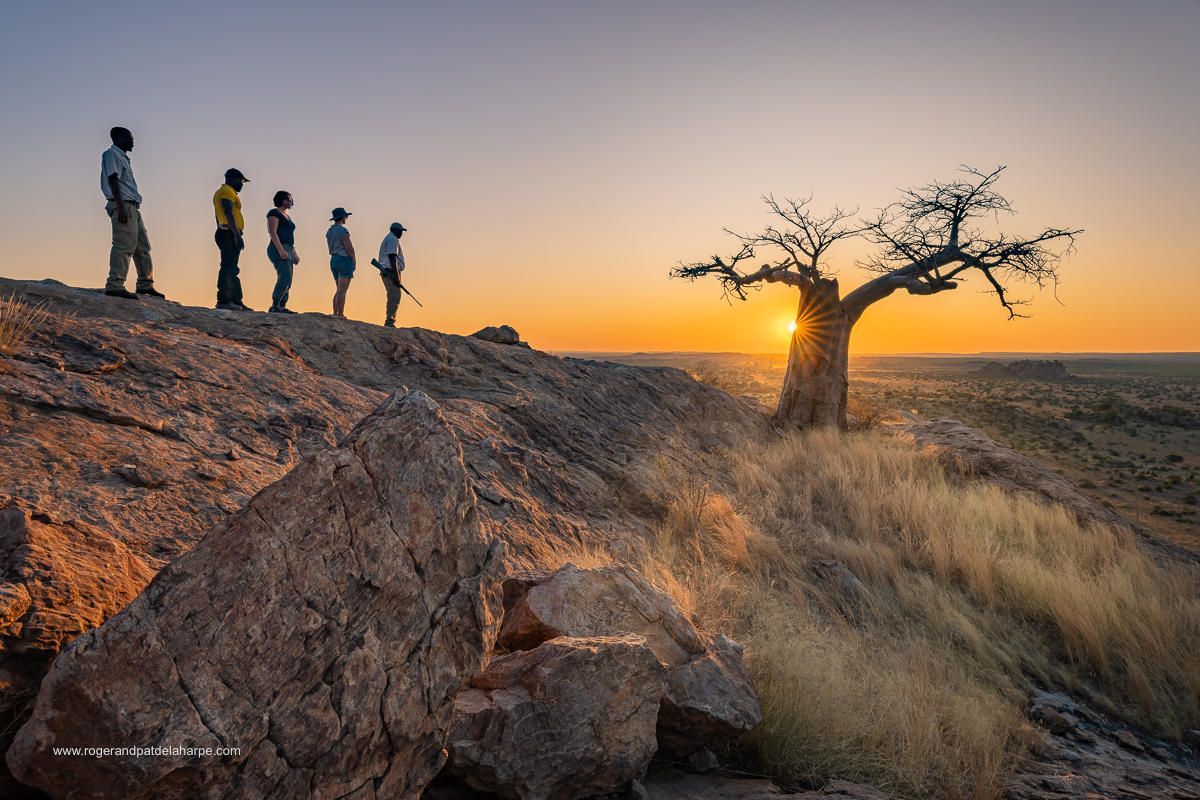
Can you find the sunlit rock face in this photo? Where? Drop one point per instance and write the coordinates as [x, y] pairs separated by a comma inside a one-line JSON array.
[[574, 717], [707, 701], [321, 633]]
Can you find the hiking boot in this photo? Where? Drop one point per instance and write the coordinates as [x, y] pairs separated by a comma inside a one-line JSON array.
[[280, 310], [229, 307], [391, 323], [152, 292], [125, 293], [242, 307]]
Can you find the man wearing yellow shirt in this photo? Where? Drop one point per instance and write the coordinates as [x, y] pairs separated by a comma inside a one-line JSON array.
[[227, 206]]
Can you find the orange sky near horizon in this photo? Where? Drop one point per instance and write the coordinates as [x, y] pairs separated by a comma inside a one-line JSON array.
[[551, 186]]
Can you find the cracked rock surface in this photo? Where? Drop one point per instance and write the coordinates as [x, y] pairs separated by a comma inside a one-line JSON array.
[[322, 631], [129, 429], [574, 717], [708, 700]]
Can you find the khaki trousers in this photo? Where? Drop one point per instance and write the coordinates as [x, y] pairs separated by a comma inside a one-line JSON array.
[[393, 297], [129, 239]]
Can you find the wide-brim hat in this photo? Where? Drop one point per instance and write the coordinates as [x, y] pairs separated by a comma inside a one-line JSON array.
[[338, 213]]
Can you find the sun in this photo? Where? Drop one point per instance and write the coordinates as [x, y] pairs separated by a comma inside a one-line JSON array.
[[792, 326]]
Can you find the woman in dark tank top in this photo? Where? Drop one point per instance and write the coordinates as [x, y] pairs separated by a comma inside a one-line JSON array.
[[281, 250]]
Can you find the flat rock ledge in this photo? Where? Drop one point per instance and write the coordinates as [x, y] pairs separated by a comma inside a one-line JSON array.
[[321, 633]]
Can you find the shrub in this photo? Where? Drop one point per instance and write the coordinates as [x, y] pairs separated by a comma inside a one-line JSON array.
[[18, 321]]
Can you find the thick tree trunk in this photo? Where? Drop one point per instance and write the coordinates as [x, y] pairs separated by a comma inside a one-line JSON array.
[[814, 386]]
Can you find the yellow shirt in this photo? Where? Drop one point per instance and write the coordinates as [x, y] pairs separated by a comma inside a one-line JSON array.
[[226, 192]]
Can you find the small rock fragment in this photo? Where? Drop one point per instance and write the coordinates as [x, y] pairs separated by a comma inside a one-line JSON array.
[[1129, 740], [499, 334]]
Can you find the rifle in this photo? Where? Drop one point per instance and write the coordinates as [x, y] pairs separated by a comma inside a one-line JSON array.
[[395, 276]]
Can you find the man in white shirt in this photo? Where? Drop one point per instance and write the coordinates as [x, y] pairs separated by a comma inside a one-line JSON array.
[[124, 204], [391, 257]]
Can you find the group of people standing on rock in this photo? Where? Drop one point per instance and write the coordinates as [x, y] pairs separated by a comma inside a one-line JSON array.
[[129, 240]]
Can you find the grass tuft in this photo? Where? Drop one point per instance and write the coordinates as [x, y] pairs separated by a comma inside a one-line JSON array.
[[18, 321]]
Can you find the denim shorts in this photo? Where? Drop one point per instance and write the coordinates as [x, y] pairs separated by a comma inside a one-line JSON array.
[[341, 266]]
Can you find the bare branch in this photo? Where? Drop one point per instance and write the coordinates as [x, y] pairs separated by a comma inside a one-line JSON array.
[[931, 227], [796, 248]]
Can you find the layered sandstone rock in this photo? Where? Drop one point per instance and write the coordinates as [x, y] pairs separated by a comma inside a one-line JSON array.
[[571, 718], [321, 633], [707, 699]]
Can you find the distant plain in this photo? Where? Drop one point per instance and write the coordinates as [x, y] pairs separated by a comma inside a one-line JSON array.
[[1125, 428]]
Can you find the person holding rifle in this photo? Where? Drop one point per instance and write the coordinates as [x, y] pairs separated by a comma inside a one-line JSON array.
[[391, 264]]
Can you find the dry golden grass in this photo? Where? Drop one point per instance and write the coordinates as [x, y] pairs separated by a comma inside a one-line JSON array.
[[969, 595], [18, 321]]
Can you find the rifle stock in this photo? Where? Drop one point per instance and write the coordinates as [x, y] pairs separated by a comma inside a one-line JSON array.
[[395, 277]]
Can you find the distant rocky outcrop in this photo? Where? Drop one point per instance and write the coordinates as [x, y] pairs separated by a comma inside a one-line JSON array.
[[321, 633], [1029, 369]]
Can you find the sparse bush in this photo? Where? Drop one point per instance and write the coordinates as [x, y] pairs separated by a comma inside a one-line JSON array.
[[864, 414], [18, 321]]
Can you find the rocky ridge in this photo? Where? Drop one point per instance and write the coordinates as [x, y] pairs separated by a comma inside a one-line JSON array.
[[558, 453]]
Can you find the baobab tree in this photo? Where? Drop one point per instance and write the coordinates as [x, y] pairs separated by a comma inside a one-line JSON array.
[[927, 242]]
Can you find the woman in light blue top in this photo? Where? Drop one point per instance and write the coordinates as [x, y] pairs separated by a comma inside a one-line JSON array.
[[341, 258]]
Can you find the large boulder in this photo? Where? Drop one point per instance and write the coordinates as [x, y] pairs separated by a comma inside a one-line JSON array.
[[314, 641], [121, 444], [708, 700], [574, 717]]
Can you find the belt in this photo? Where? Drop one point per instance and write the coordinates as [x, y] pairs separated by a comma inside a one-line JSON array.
[[133, 203]]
